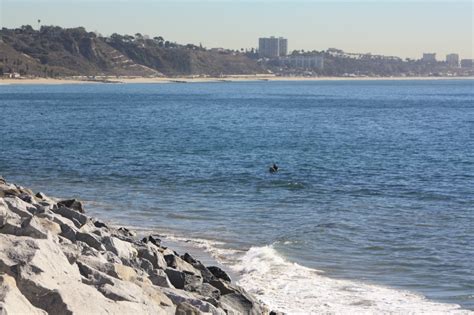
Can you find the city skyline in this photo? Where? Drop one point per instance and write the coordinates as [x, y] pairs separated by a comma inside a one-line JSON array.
[[398, 28]]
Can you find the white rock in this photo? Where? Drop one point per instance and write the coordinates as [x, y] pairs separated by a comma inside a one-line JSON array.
[[55, 285], [20, 207], [12, 301], [180, 296], [122, 249], [4, 213]]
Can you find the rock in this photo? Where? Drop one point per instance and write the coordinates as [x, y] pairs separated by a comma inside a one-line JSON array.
[[152, 239], [20, 207], [77, 218], [143, 264], [177, 278], [119, 290], [38, 228], [12, 301], [151, 254], [223, 286], [159, 278], [236, 300], [11, 190], [126, 232], [219, 273], [90, 239], [183, 280], [179, 264], [68, 232], [26, 198], [2, 180], [99, 224], [73, 204], [40, 195], [49, 281], [207, 276], [120, 248], [124, 272], [187, 309], [180, 296], [4, 213], [208, 290], [238, 303]]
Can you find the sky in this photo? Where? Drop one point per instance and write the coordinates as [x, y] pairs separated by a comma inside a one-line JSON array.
[[401, 28]]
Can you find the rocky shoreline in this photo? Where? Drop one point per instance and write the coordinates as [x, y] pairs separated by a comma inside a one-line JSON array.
[[55, 259]]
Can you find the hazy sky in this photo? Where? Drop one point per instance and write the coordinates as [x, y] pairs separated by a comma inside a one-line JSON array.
[[397, 27]]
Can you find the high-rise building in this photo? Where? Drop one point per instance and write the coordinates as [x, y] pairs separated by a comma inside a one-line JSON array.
[[272, 47], [283, 42], [452, 60], [429, 57]]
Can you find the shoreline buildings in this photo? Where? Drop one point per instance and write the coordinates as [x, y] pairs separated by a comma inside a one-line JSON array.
[[429, 57], [452, 60], [272, 47]]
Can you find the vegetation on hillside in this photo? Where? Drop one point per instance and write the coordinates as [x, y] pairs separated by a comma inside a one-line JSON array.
[[55, 51]]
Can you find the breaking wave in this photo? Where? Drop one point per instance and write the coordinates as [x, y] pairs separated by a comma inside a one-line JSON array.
[[294, 289]]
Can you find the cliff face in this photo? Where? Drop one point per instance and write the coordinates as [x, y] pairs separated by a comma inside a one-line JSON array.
[[54, 51], [56, 260]]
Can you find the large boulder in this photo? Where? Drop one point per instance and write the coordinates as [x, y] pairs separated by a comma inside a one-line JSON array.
[[235, 300], [180, 296], [76, 217], [90, 239], [73, 204], [122, 249], [37, 227], [219, 273], [159, 278], [20, 207], [5, 213], [153, 255], [183, 280], [187, 309], [12, 301], [175, 262]]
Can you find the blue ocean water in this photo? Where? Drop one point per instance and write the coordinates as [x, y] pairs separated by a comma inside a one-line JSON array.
[[376, 178]]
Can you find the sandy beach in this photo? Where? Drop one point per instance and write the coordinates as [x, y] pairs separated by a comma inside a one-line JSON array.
[[232, 78]]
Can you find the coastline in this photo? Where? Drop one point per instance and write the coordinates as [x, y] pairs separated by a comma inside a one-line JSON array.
[[187, 79], [53, 257]]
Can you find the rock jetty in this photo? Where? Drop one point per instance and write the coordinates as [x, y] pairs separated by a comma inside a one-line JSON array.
[[54, 259]]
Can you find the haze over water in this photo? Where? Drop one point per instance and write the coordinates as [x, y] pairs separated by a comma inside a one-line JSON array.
[[375, 184]]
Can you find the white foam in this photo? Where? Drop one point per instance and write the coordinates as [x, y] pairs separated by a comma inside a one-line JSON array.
[[294, 289]]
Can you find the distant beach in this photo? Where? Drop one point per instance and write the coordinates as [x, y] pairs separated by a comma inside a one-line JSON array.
[[187, 79]]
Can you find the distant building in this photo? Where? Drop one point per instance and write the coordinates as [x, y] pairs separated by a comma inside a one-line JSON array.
[[303, 61], [283, 42], [467, 63], [452, 60], [12, 75], [272, 47], [429, 57]]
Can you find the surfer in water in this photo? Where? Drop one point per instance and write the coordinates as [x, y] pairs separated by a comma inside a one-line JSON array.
[[273, 168]]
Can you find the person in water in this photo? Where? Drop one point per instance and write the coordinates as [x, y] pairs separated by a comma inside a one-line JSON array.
[[273, 168]]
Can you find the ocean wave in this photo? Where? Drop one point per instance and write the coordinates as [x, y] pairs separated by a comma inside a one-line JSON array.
[[294, 289]]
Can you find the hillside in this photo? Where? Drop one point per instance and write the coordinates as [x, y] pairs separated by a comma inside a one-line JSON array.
[[54, 51]]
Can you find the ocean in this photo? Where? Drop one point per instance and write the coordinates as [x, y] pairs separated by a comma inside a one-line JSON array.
[[372, 209]]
